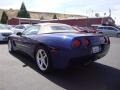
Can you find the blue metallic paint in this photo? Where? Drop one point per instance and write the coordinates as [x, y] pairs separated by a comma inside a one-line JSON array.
[[61, 42]]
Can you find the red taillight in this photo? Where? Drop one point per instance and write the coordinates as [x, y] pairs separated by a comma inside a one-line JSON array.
[[85, 42], [76, 43]]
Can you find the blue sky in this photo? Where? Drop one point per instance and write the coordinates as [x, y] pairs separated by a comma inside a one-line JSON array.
[[80, 7]]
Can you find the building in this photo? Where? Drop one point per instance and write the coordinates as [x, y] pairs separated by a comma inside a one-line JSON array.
[[83, 22]]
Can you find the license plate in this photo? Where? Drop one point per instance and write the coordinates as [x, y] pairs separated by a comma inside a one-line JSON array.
[[95, 49]]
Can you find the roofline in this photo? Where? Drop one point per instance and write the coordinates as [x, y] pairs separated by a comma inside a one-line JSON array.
[[59, 19]]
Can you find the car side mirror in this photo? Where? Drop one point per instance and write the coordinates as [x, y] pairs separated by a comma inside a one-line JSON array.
[[19, 34]]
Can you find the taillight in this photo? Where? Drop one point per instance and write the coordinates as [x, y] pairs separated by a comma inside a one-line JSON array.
[[85, 42], [76, 43]]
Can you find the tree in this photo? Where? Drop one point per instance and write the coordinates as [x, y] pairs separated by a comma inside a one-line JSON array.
[[97, 14], [54, 17], [4, 18], [23, 13]]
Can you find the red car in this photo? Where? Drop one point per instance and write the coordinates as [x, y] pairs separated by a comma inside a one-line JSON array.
[[84, 29]]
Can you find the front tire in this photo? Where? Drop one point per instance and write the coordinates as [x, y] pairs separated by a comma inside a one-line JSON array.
[[10, 46], [42, 58]]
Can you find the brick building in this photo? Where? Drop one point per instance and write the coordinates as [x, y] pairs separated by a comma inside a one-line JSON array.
[[83, 22]]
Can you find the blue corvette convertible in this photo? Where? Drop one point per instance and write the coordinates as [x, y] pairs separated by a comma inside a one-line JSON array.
[[55, 45]]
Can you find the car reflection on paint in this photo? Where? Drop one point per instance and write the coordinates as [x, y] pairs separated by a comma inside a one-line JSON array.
[[56, 46]]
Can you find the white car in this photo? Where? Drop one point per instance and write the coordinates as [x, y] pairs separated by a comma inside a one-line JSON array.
[[20, 28], [109, 31], [4, 32]]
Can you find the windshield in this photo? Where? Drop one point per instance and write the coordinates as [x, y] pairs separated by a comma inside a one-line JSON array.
[[61, 28]]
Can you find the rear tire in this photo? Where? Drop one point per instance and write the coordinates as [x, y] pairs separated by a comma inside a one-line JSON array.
[[43, 60], [10, 46]]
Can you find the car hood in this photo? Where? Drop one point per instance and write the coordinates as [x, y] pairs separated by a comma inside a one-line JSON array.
[[6, 31]]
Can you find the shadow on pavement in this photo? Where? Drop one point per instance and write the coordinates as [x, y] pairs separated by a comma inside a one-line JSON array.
[[95, 76], [1, 42]]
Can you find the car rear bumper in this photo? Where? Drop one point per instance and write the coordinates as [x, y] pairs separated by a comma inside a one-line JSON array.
[[91, 57], [63, 59]]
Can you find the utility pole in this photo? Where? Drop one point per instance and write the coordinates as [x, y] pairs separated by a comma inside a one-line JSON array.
[[109, 12]]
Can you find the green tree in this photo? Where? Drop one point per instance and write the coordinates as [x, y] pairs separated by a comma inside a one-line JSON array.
[[23, 13], [4, 18], [54, 16]]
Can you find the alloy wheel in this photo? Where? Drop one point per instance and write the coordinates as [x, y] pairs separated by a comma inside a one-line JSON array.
[[42, 59]]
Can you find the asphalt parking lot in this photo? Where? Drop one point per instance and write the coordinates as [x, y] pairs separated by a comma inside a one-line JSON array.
[[19, 72]]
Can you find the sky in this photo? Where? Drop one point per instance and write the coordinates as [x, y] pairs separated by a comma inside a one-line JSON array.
[[79, 7]]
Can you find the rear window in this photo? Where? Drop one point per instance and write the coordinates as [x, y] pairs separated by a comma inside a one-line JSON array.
[[61, 28]]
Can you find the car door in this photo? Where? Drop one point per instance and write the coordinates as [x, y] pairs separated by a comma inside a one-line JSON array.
[[27, 39], [108, 31], [17, 41], [105, 30], [115, 31], [112, 31]]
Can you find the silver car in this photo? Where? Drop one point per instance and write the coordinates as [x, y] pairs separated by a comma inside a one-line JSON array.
[[20, 28], [4, 32], [109, 31]]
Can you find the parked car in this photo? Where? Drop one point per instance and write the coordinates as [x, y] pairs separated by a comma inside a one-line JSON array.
[[55, 45], [109, 31], [84, 29], [20, 28], [9, 26], [88, 29], [4, 32], [80, 29]]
